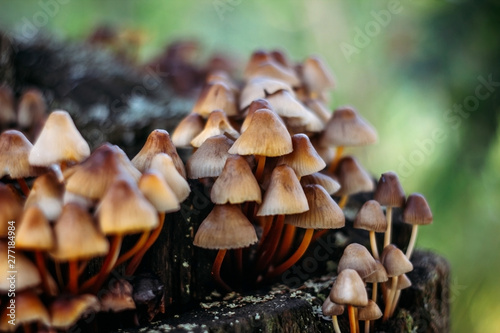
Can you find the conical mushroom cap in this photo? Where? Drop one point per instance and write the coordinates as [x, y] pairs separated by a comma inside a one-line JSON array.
[[284, 194], [323, 213], [217, 124], [275, 70], [380, 275], [347, 128], [65, 311], [417, 210], [254, 106], [92, 177], [216, 96], [349, 289], [286, 105], [225, 228], [389, 192], [236, 183], [257, 58], [371, 217], [352, 177], [11, 209], [330, 185], [370, 312], [14, 153], [395, 261], [158, 142], [34, 232], [77, 238], [27, 273], [187, 130], [157, 191], [59, 141], [164, 164], [316, 75], [260, 87], [209, 159], [31, 108], [332, 309], [403, 283], [118, 296], [266, 135], [124, 210], [357, 257], [7, 112], [47, 193], [29, 309], [304, 159]]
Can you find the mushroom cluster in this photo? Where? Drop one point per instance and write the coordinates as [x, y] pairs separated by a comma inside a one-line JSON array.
[[80, 208]]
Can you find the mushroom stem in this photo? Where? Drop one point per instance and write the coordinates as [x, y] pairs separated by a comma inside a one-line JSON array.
[[82, 267], [352, 318], [73, 277], [24, 187], [336, 324], [136, 260], [269, 248], [375, 292], [59, 274], [342, 203], [336, 159], [130, 253], [216, 269], [357, 320], [267, 224], [395, 302], [388, 303], [261, 162], [367, 326], [387, 235], [295, 257], [413, 239], [285, 243], [42, 269], [95, 283], [373, 244]]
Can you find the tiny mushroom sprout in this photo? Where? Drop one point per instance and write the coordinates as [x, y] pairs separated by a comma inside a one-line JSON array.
[[349, 289], [118, 296], [369, 313], [416, 212], [396, 264], [66, 310], [59, 143], [29, 311], [217, 123], [14, 153], [346, 128], [371, 217], [333, 310], [389, 193], [225, 228]]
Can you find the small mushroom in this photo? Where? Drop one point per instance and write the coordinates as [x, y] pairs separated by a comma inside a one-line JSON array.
[[357, 257], [416, 212], [164, 164], [352, 178], [369, 313], [29, 310], [371, 217], [65, 311], [217, 124], [333, 310], [187, 130], [47, 193], [210, 158], [216, 96]]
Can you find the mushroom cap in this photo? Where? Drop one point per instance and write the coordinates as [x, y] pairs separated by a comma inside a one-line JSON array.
[[403, 282], [66, 310], [352, 177], [76, 236], [380, 275], [92, 177], [163, 163], [371, 217], [59, 141], [323, 213], [209, 159], [417, 210], [284, 194], [31, 108], [124, 210], [225, 228], [47, 193], [347, 128], [304, 159], [330, 308], [256, 59], [11, 208], [217, 124], [285, 105], [27, 274], [349, 289], [29, 309], [118, 296], [369, 312], [275, 70], [266, 135], [260, 87], [395, 261], [236, 183], [254, 106], [154, 187], [157, 142], [187, 130], [7, 111], [330, 185], [280, 57], [357, 257], [319, 109], [34, 232], [389, 192], [220, 75], [14, 153], [316, 75], [216, 96]]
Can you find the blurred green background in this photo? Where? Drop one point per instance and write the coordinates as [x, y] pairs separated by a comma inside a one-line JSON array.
[[417, 70]]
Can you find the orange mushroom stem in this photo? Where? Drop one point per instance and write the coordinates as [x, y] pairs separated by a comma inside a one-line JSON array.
[[261, 162], [73, 277], [95, 283], [24, 187], [216, 269], [136, 248], [42, 268], [352, 318], [336, 159], [269, 248], [285, 243]]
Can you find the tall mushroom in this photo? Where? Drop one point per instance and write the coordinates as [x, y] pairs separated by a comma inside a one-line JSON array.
[[417, 212]]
